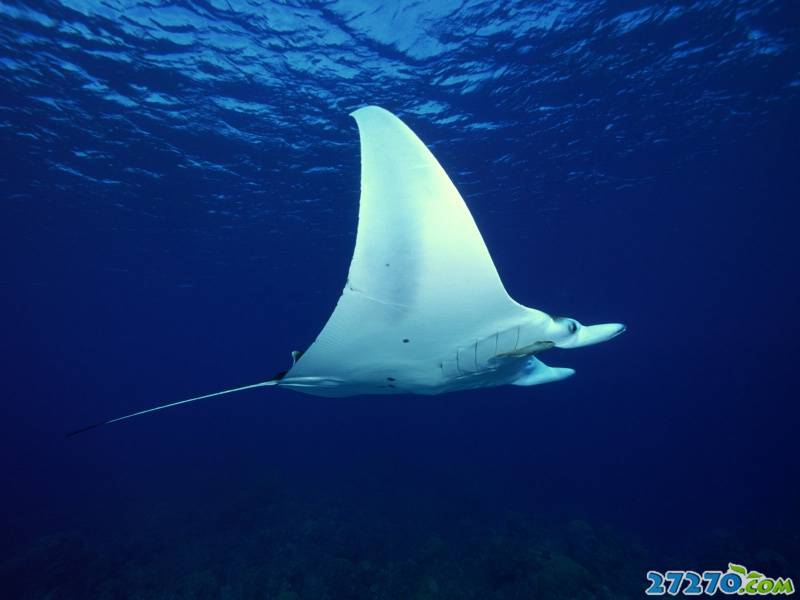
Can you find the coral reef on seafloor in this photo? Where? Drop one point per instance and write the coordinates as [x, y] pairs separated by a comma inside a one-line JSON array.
[[277, 548]]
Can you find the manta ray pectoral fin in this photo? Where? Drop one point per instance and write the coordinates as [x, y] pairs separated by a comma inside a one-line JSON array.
[[421, 280], [536, 372]]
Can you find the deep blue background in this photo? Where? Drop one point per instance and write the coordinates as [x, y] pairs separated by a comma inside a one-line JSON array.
[[179, 201]]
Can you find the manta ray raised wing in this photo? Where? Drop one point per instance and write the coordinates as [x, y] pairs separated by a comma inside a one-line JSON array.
[[423, 309]]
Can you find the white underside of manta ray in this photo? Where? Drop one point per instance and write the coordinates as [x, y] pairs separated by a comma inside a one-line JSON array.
[[423, 310]]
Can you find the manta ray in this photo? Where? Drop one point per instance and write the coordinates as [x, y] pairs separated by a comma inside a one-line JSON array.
[[423, 310]]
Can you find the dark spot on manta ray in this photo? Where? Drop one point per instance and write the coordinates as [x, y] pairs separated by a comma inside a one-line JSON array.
[[406, 340], [387, 264], [391, 378]]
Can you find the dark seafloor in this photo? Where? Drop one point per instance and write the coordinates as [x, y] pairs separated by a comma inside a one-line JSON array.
[[179, 192]]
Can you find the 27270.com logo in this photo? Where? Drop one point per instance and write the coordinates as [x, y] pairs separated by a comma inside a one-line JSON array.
[[736, 580]]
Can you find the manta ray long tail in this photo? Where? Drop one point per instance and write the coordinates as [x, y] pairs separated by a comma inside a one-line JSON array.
[[171, 404]]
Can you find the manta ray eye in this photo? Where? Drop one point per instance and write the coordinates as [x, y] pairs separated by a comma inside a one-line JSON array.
[[573, 327]]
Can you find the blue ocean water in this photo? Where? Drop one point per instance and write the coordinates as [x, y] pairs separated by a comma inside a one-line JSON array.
[[179, 201]]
